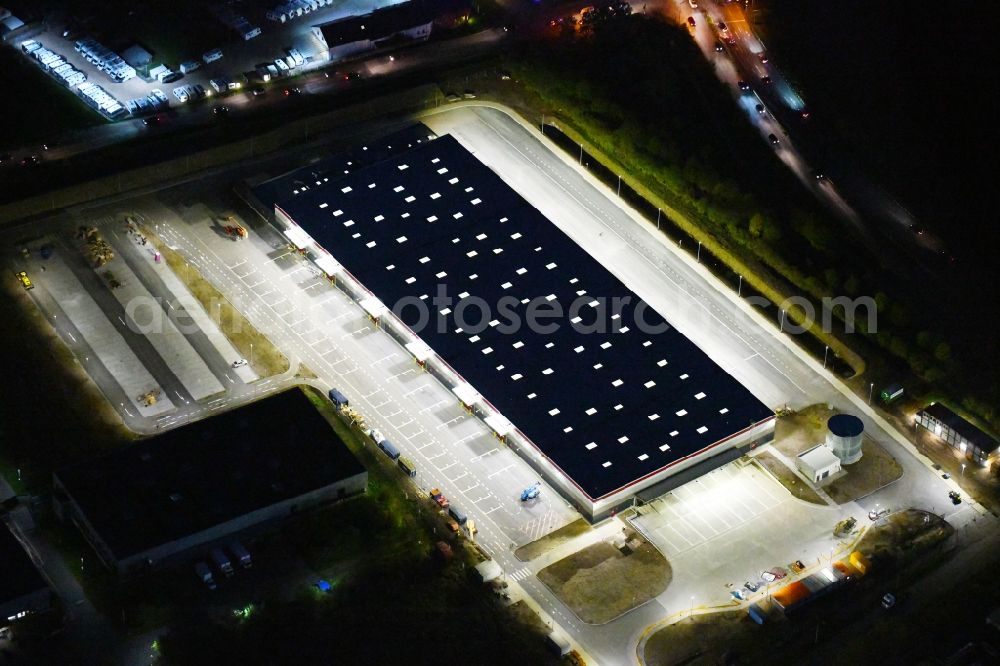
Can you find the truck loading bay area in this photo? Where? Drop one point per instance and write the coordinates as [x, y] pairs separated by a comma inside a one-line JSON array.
[[315, 324]]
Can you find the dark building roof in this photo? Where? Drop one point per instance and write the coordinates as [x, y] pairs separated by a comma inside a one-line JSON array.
[[137, 56], [608, 408], [380, 24], [845, 425], [18, 575], [207, 473], [331, 168], [970, 432]]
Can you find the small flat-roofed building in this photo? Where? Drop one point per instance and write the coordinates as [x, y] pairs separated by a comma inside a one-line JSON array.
[[138, 57], [818, 463], [961, 435], [159, 501], [404, 22], [22, 589]]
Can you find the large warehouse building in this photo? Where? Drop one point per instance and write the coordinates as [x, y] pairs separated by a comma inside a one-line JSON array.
[[603, 405], [22, 589], [172, 497]]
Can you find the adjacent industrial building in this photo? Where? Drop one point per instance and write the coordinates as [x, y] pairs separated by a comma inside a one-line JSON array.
[[22, 589], [170, 498], [604, 403], [961, 435], [406, 22], [818, 463]]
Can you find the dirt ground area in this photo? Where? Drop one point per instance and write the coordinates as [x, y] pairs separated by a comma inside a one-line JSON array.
[[801, 430], [266, 359], [875, 469], [601, 582], [786, 477], [539, 547], [899, 550]]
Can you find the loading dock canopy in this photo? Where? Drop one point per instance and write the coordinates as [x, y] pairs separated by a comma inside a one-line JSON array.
[[328, 265], [298, 237], [374, 307], [500, 425], [467, 394], [419, 350]]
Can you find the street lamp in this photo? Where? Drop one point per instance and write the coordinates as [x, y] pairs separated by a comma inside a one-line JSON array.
[[619, 185], [251, 354], [699, 252], [581, 153], [691, 612], [825, 352], [871, 390], [781, 322], [739, 289], [658, 213]]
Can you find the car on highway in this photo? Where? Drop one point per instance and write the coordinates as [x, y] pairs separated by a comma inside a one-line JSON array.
[[292, 91], [718, 47], [889, 600], [30, 160], [258, 92], [469, 94], [744, 86], [763, 58], [240, 363], [819, 175], [760, 109], [25, 280], [773, 139], [221, 110], [766, 80], [6, 157], [804, 114]]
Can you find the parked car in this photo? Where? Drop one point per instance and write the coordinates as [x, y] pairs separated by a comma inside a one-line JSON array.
[[751, 585], [888, 601], [766, 80], [760, 109], [240, 363], [718, 47]]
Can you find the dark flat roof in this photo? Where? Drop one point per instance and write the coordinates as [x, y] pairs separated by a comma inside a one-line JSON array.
[[379, 24], [967, 430], [336, 166], [845, 425], [209, 472], [18, 575], [607, 408]]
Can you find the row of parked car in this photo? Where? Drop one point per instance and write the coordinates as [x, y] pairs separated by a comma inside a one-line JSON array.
[[222, 564]]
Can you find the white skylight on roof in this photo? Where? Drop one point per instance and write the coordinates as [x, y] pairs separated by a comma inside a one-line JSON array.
[[411, 280], [685, 376], [521, 271], [598, 366], [436, 195], [401, 239], [674, 433], [473, 276], [403, 167], [506, 285], [517, 345], [410, 199], [650, 384], [550, 345], [568, 429], [445, 311], [681, 412], [356, 235], [379, 218], [349, 223], [424, 260], [515, 235], [371, 186], [405, 215], [398, 188], [488, 350], [497, 250], [605, 345], [390, 267], [338, 213], [481, 237], [457, 216], [653, 417], [665, 447], [591, 411], [476, 201], [532, 396], [370, 244], [471, 254], [550, 266], [661, 362], [554, 411], [578, 349], [624, 329], [494, 322], [606, 464], [464, 294], [644, 456], [432, 218], [547, 371], [724, 410], [453, 181], [443, 170], [702, 430], [618, 408], [550, 297], [468, 189], [516, 376], [591, 446], [474, 338], [617, 383], [646, 343], [440, 275], [324, 205], [345, 190], [699, 396]]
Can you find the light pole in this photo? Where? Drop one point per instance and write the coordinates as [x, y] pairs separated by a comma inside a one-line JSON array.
[[739, 289], [581, 153], [659, 212], [251, 354], [825, 352], [781, 323], [871, 390], [543, 123], [699, 252], [691, 612], [619, 185]]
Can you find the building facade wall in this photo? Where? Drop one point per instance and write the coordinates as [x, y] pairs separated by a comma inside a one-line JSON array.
[[954, 439]]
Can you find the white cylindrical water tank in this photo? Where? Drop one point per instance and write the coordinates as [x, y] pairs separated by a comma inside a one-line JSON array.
[[843, 436]]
